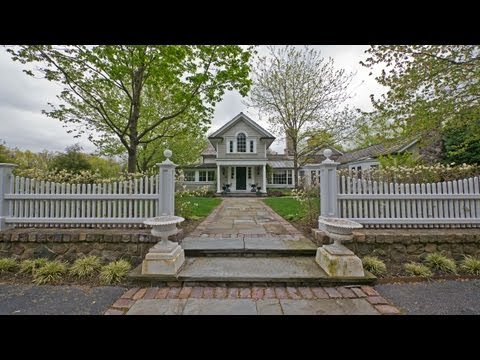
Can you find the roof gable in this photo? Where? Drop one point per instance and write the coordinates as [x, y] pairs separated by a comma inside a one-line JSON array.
[[241, 117], [375, 151]]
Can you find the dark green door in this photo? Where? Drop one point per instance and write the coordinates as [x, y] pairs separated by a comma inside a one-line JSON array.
[[241, 178]]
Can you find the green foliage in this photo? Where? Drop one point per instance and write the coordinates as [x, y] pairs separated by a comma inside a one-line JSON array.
[[128, 95], [438, 261], [30, 265], [30, 160], [187, 147], [462, 143], [430, 86], [303, 97], [417, 174], [86, 267], [374, 265], [114, 272], [416, 269], [5, 154], [405, 159], [105, 167], [73, 160], [308, 197], [50, 272], [471, 265], [8, 265]]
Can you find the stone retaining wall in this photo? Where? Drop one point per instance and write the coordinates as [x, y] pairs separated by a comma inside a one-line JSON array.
[[69, 244], [402, 245]]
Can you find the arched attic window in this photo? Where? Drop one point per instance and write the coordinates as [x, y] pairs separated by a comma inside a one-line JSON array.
[[241, 143]]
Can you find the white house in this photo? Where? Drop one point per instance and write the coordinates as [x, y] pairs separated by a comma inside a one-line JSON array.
[[238, 156]]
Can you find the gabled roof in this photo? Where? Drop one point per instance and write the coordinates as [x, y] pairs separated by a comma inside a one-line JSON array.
[[245, 118], [375, 151], [209, 150]]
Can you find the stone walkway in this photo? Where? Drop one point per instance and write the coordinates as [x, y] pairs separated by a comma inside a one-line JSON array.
[[345, 300], [247, 225], [245, 217]]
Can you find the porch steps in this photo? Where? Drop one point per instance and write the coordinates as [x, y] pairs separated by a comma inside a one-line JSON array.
[[235, 195]]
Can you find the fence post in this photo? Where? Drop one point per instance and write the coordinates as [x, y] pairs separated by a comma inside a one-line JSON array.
[[328, 186], [166, 193], [5, 175]]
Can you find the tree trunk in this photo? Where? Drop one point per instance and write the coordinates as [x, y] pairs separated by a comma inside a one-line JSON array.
[[133, 121], [295, 171], [132, 158]]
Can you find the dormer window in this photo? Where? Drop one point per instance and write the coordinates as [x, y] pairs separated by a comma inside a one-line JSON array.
[[241, 143]]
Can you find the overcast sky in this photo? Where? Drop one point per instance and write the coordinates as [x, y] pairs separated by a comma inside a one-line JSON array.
[[22, 99]]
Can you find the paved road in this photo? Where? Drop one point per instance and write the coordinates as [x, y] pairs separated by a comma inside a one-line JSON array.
[[56, 300], [451, 297]]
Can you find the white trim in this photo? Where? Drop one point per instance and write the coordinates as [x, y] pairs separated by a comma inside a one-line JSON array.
[[241, 162], [241, 132], [245, 118]]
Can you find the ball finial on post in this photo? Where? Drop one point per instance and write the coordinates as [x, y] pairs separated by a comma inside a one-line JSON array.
[[167, 153], [327, 153]]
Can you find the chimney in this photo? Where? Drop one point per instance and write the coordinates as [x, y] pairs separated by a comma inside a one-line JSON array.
[[289, 145]]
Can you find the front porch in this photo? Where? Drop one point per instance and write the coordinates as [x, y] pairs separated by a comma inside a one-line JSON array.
[[242, 178]]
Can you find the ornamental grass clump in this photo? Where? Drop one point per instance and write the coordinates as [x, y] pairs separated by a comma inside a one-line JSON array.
[[439, 262], [471, 265], [50, 272], [30, 265], [114, 272], [416, 269], [8, 265], [86, 267], [374, 265]]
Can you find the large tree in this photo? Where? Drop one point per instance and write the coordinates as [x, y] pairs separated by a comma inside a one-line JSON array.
[[302, 94], [122, 94], [430, 87]]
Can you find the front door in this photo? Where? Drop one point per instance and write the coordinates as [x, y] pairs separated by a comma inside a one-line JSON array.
[[241, 178]]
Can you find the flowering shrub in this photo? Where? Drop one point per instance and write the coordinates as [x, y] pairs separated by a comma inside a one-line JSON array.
[[416, 174], [308, 198], [83, 177]]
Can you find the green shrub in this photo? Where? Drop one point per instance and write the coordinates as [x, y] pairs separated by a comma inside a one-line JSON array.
[[8, 265], [438, 261], [374, 265], [471, 265], [50, 272], [416, 269], [86, 266], [30, 265], [114, 272]]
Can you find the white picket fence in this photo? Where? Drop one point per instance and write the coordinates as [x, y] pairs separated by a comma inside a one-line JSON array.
[[392, 205], [118, 204]]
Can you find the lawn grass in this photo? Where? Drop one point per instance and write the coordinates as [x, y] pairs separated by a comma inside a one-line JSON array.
[[287, 207], [205, 206]]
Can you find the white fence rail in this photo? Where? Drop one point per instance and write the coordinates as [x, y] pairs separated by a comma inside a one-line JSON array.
[[381, 204], [43, 203]]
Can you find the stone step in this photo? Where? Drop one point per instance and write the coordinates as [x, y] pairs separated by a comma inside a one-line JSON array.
[[248, 246], [287, 270], [240, 195]]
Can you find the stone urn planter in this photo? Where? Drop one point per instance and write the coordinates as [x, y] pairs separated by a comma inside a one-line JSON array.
[[166, 257], [335, 259]]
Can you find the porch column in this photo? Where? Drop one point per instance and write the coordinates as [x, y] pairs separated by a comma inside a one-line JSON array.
[[293, 177], [218, 178], [264, 187]]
